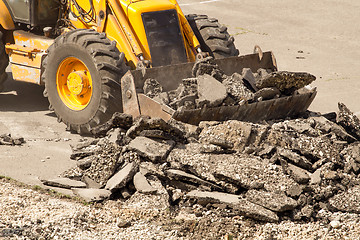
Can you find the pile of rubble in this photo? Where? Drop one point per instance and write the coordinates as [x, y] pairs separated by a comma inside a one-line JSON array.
[[210, 86], [296, 169]]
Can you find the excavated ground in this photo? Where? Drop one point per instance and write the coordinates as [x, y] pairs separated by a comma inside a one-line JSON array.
[[151, 179], [148, 178]]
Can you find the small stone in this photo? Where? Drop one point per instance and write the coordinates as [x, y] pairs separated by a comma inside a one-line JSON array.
[[211, 148], [335, 224], [124, 224], [125, 193]]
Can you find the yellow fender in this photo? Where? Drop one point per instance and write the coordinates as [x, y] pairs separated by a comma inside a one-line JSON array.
[[5, 17]]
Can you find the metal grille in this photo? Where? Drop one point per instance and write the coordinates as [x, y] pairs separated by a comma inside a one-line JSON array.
[[164, 37]]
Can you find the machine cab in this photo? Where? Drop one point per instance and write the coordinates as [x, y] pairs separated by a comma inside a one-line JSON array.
[[34, 12]]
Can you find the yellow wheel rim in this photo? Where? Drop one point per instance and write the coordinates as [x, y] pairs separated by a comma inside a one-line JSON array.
[[74, 84]]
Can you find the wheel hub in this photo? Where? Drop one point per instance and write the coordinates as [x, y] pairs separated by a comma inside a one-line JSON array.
[[78, 82], [74, 83]]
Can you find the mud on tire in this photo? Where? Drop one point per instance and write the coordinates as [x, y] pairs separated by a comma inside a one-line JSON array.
[[213, 36], [105, 64], [4, 62]]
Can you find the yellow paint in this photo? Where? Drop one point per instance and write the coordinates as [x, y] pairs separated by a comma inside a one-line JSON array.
[[74, 83], [114, 32], [123, 23], [5, 18], [126, 27], [25, 73], [26, 55]]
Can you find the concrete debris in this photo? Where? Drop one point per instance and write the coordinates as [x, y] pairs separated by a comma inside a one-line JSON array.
[[348, 201], [269, 171], [122, 177], [315, 178], [183, 176], [298, 174], [6, 139], [243, 206], [270, 200], [63, 183], [237, 89], [210, 91], [92, 194], [286, 82], [142, 185], [158, 201], [118, 120], [211, 87], [349, 121], [152, 88], [91, 183], [155, 151], [209, 67]]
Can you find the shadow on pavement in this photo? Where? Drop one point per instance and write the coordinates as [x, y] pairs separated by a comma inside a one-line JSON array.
[[22, 97]]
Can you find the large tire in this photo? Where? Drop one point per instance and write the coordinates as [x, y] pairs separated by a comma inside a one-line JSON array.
[[4, 62], [82, 79], [213, 36]]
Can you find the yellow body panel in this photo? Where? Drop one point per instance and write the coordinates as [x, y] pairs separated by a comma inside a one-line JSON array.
[[123, 23], [26, 56], [5, 17], [25, 73], [121, 20]]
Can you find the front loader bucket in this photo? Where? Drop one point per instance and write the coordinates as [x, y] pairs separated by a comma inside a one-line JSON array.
[[136, 103]]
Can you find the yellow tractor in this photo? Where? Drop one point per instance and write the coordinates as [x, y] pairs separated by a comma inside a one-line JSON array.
[[81, 50]]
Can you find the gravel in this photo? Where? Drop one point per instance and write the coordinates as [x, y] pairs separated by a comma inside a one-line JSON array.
[[27, 213]]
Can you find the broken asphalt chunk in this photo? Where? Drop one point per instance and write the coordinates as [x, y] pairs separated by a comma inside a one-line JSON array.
[[273, 201], [63, 183], [92, 194], [348, 120], [122, 177], [211, 90], [155, 151], [142, 185], [187, 177], [348, 201], [243, 206]]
